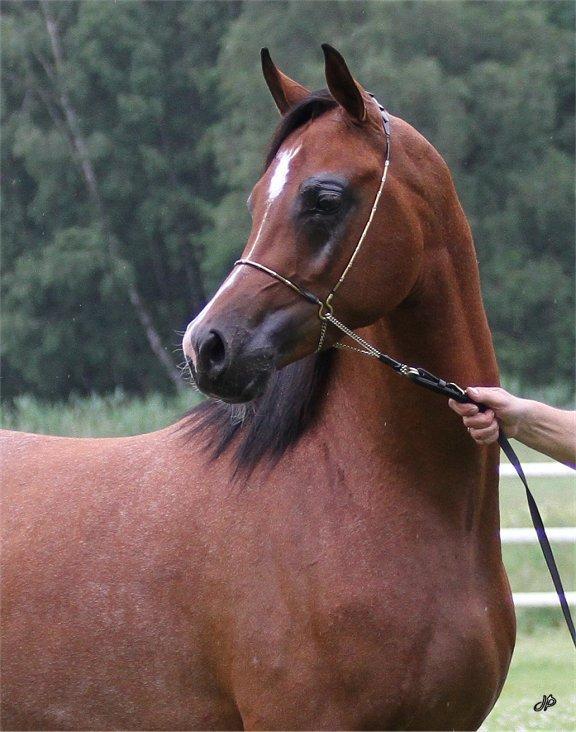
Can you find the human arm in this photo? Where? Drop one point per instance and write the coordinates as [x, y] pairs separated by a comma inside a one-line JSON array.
[[546, 429]]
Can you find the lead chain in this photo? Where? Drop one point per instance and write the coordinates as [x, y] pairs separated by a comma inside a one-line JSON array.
[[369, 349], [345, 346], [322, 335]]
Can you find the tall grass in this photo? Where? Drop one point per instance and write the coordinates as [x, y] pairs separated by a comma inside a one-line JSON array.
[[112, 415], [560, 394]]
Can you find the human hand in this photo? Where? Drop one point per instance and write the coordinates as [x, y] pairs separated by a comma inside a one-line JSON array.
[[502, 408]]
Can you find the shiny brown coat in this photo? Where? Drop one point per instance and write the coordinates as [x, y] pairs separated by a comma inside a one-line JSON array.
[[357, 583]]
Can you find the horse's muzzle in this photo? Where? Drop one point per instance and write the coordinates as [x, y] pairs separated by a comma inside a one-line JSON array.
[[225, 367]]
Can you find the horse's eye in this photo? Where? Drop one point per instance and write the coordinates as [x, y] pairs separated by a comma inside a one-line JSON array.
[[328, 202]]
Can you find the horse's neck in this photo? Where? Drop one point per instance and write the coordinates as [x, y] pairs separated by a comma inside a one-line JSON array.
[[389, 426], [443, 326]]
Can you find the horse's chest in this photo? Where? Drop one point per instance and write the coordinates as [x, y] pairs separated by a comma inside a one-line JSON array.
[[363, 660], [341, 624]]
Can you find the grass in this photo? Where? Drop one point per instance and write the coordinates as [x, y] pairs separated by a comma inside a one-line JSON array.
[[112, 415], [561, 394], [544, 663]]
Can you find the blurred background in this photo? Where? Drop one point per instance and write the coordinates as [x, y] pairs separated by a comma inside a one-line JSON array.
[[132, 133]]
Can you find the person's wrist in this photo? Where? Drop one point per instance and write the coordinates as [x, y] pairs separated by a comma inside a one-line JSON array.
[[522, 416]]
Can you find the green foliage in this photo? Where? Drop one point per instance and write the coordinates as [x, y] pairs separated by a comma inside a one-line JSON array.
[[176, 116], [140, 78], [116, 414]]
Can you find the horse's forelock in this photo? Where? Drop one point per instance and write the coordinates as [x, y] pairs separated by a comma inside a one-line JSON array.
[[313, 106]]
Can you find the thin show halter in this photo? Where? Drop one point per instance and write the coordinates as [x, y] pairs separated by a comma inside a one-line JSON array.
[[418, 375], [325, 308]]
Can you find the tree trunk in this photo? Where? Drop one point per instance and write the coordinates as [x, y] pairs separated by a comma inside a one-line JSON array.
[[89, 175]]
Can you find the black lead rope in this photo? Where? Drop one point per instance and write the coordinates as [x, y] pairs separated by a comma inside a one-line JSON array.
[[541, 531], [425, 379]]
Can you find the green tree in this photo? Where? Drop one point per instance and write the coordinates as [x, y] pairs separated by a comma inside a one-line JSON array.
[[106, 108]]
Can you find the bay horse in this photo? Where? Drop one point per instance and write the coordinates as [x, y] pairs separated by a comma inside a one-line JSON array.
[[317, 546]]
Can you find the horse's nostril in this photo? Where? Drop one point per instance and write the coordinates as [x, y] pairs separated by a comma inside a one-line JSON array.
[[212, 351]]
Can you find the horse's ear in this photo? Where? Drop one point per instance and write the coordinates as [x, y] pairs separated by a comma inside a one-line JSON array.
[[345, 90], [286, 91]]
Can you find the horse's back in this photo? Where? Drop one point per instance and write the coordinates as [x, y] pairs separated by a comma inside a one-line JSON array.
[[101, 587]]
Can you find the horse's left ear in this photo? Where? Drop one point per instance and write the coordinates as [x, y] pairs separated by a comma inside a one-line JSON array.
[[345, 90], [286, 91]]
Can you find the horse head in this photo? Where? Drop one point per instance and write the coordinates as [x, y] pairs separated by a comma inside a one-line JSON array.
[[311, 208]]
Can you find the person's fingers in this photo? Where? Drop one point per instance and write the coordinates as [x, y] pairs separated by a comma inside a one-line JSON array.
[[480, 420], [486, 435], [464, 410], [491, 396]]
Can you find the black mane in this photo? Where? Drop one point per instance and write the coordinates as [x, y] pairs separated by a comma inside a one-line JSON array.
[[267, 427]]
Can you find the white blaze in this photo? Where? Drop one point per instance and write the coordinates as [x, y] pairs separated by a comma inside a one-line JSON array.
[[275, 187], [230, 281], [280, 175]]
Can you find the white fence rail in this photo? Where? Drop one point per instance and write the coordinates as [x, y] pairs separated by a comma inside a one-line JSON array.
[[561, 534], [557, 535], [541, 599], [538, 470]]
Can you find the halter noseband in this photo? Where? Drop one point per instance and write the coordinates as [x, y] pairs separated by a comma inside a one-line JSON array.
[[325, 307]]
